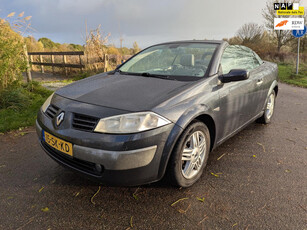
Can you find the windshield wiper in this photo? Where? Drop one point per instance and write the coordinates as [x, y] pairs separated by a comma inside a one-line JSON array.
[[119, 71], [146, 74], [122, 72]]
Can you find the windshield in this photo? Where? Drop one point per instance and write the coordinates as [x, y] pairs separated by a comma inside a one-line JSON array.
[[182, 59]]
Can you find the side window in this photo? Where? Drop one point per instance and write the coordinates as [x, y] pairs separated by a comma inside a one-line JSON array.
[[229, 59], [238, 57], [258, 58]]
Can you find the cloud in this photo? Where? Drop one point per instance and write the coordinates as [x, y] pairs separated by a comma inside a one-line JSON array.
[[144, 21]]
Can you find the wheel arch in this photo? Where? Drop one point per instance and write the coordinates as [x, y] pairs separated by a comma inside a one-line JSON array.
[[179, 127], [209, 122], [276, 90], [274, 86]]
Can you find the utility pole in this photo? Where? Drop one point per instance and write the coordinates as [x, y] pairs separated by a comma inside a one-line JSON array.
[[298, 34]]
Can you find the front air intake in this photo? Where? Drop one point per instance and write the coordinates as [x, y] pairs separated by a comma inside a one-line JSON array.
[[84, 122]]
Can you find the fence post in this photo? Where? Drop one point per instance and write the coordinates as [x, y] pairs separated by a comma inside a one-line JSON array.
[[28, 70], [106, 63], [41, 61], [31, 59], [64, 61], [52, 60], [80, 61]]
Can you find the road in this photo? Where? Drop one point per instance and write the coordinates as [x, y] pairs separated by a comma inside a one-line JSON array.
[[48, 80], [255, 180]]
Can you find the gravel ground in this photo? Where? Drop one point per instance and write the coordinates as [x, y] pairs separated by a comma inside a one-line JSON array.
[[255, 180]]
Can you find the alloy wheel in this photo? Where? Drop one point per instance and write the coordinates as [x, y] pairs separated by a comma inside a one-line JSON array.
[[270, 106], [193, 154]]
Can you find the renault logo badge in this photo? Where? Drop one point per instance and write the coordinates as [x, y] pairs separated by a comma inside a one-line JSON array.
[[60, 118]]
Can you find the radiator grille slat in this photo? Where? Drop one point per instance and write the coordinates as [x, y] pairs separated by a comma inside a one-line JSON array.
[[52, 111], [84, 122]]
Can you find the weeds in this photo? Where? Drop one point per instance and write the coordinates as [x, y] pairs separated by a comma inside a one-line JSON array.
[[19, 105], [286, 73]]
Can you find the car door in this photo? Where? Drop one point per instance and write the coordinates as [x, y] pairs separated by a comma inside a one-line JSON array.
[[258, 76], [262, 84], [237, 99]]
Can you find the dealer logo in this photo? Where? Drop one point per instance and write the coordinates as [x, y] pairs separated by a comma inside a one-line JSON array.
[[289, 23], [289, 9], [60, 118], [282, 23], [283, 6]]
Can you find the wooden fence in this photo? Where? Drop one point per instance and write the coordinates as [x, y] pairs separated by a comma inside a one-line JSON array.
[[54, 64], [117, 59]]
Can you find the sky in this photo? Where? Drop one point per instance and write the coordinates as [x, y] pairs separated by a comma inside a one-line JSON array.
[[145, 21]]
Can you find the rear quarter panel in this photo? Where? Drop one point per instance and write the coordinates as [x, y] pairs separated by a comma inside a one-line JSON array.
[[270, 78]]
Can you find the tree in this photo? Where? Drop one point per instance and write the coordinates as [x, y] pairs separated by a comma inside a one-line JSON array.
[[282, 37], [113, 50], [33, 45], [47, 43], [136, 48], [20, 25], [250, 33]]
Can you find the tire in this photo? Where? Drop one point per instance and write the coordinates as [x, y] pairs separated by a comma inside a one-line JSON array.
[[183, 172], [269, 109]]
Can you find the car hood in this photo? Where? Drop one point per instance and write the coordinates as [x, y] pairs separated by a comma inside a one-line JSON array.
[[126, 92]]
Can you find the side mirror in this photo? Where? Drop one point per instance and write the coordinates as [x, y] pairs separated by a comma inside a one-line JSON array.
[[234, 75]]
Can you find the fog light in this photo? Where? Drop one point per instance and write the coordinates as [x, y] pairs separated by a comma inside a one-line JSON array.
[[98, 168]]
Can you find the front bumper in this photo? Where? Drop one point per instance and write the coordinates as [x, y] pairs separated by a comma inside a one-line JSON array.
[[131, 159]]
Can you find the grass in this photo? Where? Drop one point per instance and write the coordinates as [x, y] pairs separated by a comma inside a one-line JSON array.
[[19, 105], [287, 75]]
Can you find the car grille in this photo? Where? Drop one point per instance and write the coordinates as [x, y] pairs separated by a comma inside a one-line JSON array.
[[78, 164], [52, 111], [84, 122]]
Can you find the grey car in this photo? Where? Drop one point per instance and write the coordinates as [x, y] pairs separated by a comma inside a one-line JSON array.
[[160, 113]]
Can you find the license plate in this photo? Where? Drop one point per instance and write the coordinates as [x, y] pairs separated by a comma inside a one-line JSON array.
[[58, 144]]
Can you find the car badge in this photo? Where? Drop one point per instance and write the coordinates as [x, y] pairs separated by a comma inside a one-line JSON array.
[[60, 118]]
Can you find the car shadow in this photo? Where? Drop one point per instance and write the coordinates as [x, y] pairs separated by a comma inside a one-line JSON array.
[[67, 177]]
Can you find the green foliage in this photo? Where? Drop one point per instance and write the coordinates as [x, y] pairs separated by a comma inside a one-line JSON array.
[[19, 105], [33, 45], [76, 47], [14, 98], [113, 50], [47, 43], [286, 73], [136, 48], [125, 51], [12, 59]]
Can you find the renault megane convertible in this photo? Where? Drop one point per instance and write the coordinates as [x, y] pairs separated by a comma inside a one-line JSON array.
[[160, 113]]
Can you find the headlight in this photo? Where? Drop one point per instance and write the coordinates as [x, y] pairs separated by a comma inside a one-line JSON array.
[[47, 103], [131, 123]]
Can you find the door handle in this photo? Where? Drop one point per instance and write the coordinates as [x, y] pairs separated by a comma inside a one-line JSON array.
[[259, 81]]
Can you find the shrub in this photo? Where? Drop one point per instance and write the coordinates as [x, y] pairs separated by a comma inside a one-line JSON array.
[[19, 104], [14, 98], [19, 96], [12, 59]]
